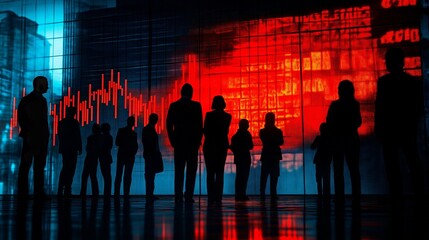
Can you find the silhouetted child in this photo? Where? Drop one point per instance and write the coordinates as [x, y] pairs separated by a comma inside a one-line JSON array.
[[241, 144], [272, 139], [322, 159], [106, 158], [93, 149]]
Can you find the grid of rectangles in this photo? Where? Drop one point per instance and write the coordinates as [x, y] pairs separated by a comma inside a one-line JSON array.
[[116, 60]]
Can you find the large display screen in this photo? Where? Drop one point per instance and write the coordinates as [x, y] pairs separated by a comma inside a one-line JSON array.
[[117, 59]]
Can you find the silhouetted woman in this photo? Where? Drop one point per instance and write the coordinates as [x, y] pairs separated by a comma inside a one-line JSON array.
[[93, 149], [106, 158], [272, 139], [215, 147], [344, 119]]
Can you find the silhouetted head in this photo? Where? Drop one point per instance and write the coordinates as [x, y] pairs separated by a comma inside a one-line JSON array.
[[324, 128], [70, 112], [96, 128], [153, 118], [270, 119], [346, 90], [218, 103], [40, 84], [186, 91], [105, 128], [131, 121], [394, 59], [243, 124]]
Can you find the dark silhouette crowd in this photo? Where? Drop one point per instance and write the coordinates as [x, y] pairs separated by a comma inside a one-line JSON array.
[[398, 107]]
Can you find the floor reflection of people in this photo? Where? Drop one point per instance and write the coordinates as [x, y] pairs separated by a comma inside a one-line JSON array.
[[242, 221], [64, 219], [127, 230], [269, 220], [339, 222], [149, 221], [323, 223], [214, 222], [395, 224], [355, 224], [21, 220], [37, 219], [356, 228], [88, 222], [184, 224], [105, 220]]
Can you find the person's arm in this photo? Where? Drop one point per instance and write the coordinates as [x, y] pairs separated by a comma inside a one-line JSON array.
[[135, 143], [377, 113], [148, 141], [315, 143], [118, 140], [79, 138], [199, 123], [358, 116], [250, 141], [22, 117], [206, 126], [170, 125]]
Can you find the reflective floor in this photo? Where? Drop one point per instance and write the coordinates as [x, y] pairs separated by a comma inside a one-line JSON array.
[[291, 217]]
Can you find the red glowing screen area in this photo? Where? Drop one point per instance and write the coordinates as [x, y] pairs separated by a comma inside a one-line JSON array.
[[287, 65]]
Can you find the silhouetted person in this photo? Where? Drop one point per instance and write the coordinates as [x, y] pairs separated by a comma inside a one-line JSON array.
[[33, 121], [241, 144], [152, 155], [215, 147], [344, 119], [93, 151], [70, 146], [126, 140], [106, 158], [398, 108], [185, 130], [322, 159], [272, 139]]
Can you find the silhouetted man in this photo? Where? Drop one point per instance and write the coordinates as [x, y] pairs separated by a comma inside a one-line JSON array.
[[152, 155], [398, 107], [271, 154], [184, 127], [33, 121], [126, 140], [70, 145]]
